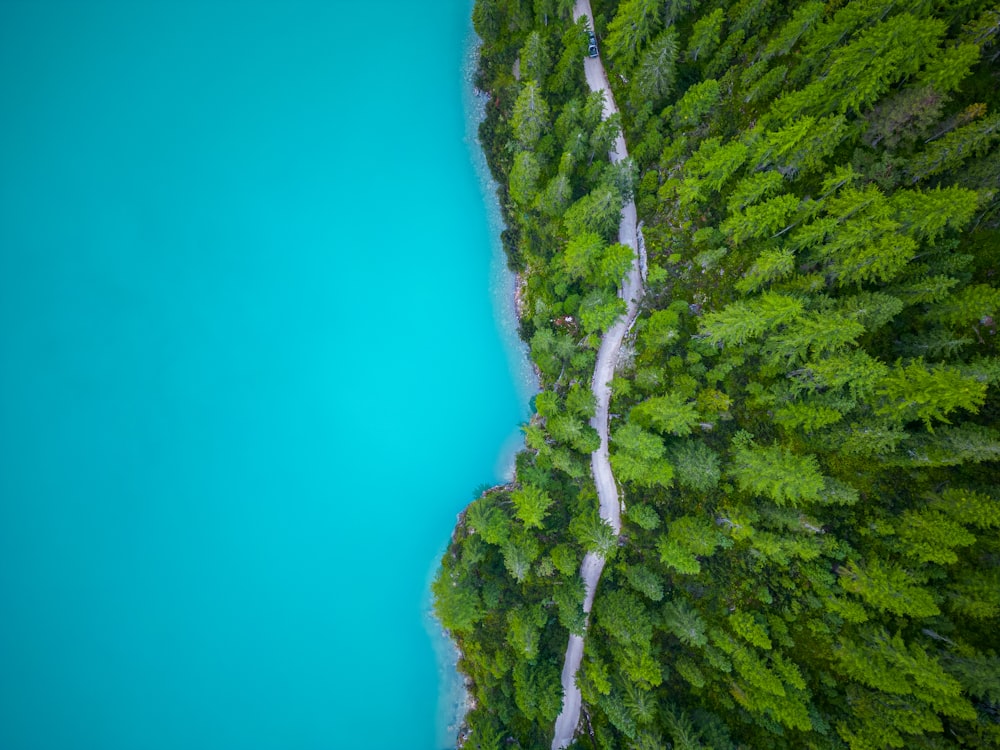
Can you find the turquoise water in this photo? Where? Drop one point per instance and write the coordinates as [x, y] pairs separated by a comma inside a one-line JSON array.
[[250, 369]]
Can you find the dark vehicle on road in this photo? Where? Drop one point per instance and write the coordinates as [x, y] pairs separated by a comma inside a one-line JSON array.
[[592, 44]]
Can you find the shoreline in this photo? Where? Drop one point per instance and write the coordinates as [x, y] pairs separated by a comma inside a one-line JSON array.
[[455, 697], [504, 285]]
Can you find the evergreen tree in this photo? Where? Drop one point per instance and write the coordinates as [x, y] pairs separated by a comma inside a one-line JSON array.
[[531, 505], [534, 59], [633, 26], [531, 115], [916, 391], [778, 474], [705, 35], [657, 69], [671, 414]]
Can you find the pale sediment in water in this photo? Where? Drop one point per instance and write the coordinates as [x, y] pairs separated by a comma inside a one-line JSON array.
[[453, 694]]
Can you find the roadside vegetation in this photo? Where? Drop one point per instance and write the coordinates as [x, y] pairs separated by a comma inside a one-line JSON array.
[[804, 424]]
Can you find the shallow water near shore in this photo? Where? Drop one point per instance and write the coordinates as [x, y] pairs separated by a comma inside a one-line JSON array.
[[251, 368]]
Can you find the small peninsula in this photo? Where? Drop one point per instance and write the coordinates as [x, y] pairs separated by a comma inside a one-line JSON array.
[[760, 491]]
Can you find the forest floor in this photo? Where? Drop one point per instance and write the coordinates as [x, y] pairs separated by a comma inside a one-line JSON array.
[[607, 357]]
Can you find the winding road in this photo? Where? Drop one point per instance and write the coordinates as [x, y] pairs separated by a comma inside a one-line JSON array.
[[607, 356]]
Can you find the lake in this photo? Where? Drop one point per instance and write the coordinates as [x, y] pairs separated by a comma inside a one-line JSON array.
[[255, 356]]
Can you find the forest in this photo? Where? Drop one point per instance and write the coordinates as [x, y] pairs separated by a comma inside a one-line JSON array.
[[804, 418]]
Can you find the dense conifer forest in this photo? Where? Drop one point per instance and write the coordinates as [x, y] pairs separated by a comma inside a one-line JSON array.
[[804, 418]]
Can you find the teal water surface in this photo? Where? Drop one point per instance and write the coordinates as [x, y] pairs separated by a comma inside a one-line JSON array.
[[250, 369]]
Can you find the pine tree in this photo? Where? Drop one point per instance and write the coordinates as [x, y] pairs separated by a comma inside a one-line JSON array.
[[682, 731], [747, 627], [645, 581], [671, 413], [633, 26], [534, 59], [951, 446], [568, 77], [705, 35], [568, 597], [916, 391], [458, 605], [487, 18], [714, 163], [697, 466], [903, 117], [615, 262], [821, 38], [582, 254], [673, 555], [807, 416], [983, 31], [888, 588], [599, 212], [862, 244], [968, 507], [871, 309], [855, 368], [811, 336], [805, 17], [518, 555], [752, 188], [929, 536], [594, 534], [555, 197], [762, 87], [599, 310], [685, 622], [624, 617], [569, 430], [657, 71], [740, 322], [524, 175], [925, 215], [696, 104], [802, 146], [760, 220], [778, 474], [865, 68], [531, 115], [726, 53], [955, 148], [968, 306], [975, 594], [531, 505], [639, 703], [639, 457], [946, 71], [486, 519], [524, 626], [887, 52]]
